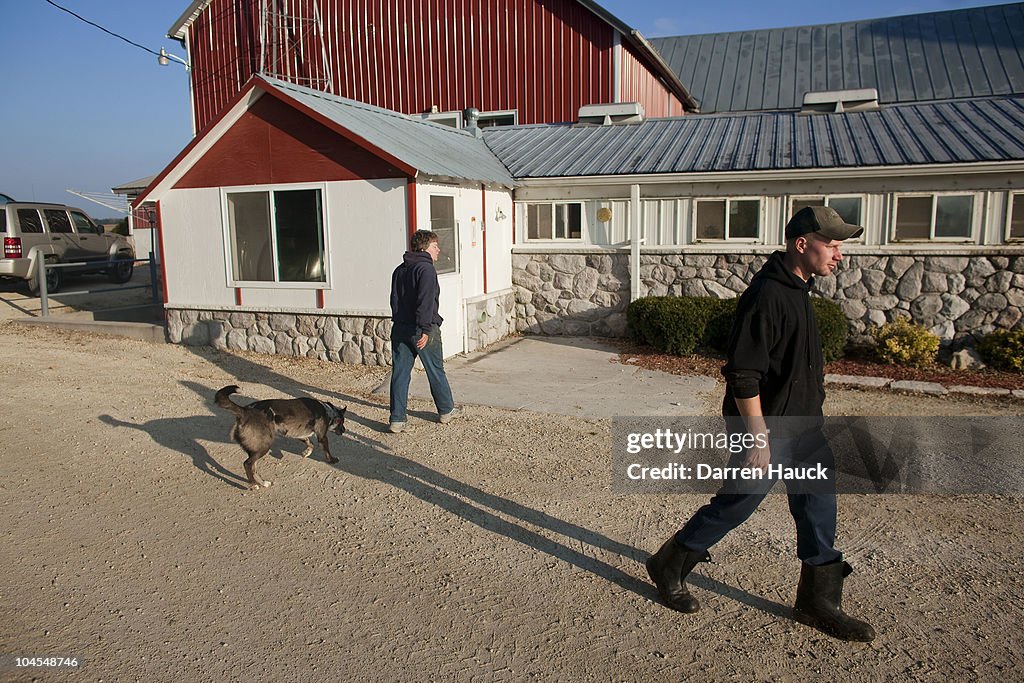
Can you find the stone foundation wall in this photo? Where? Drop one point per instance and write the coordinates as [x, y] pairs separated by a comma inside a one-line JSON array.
[[954, 296], [571, 294], [362, 340], [490, 318]]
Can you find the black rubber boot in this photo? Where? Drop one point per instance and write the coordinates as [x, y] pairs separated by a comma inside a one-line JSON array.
[[819, 599], [668, 569]]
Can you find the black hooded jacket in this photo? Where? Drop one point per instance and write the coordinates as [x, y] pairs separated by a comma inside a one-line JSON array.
[[775, 347], [415, 293]]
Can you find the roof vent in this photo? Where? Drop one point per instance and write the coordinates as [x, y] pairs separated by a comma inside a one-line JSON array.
[[836, 101], [609, 114]]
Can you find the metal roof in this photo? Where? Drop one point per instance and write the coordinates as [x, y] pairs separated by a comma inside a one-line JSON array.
[[133, 186], [931, 133], [922, 57], [430, 148]]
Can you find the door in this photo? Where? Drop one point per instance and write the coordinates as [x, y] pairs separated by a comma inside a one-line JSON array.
[[442, 222], [33, 236], [90, 237], [59, 226]]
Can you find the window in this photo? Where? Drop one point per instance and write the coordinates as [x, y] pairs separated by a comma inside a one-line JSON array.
[[452, 119], [57, 220], [83, 224], [442, 221], [726, 219], [554, 221], [847, 207], [276, 236], [1016, 218], [490, 119], [29, 220], [929, 217]]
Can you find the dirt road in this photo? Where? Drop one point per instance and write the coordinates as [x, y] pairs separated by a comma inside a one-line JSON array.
[[489, 549]]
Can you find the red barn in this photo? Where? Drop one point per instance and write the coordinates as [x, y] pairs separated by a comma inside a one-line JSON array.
[[516, 61]]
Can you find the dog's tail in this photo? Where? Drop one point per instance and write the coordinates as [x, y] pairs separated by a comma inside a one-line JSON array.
[[222, 398]]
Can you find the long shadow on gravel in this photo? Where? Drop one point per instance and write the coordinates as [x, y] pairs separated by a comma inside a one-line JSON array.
[[184, 435], [248, 374], [366, 458], [370, 459]]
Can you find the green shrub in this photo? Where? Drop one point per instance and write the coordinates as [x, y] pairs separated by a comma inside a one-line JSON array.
[[121, 228], [1004, 350], [905, 343], [833, 326], [716, 333], [671, 324], [681, 325]]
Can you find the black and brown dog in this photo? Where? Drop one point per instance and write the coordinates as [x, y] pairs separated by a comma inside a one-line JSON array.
[[257, 424]]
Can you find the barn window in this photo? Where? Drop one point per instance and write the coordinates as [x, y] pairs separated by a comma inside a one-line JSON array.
[[934, 217], [727, 219], [554, 221], [276, 236]]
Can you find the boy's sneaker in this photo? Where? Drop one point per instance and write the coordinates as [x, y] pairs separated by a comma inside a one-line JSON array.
[[396, 427], [445, 418]]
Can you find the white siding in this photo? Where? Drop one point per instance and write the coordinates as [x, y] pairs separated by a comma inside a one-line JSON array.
[[606, 233], [498, 223], [368, 235], [194, 248], [365, 239]]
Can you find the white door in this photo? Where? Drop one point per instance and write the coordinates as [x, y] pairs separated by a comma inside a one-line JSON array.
[[450, 309], [449, 275]]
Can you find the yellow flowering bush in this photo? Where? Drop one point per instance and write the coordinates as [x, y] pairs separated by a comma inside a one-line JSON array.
[[902, 342]]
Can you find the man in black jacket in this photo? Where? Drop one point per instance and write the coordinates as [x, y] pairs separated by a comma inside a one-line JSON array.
[[416, 331], [775, 369]]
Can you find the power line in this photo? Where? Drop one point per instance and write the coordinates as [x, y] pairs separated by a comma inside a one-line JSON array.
[[105, 30], [212, 74]]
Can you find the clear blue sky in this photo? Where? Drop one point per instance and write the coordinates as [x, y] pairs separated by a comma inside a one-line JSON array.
[[83, 110]]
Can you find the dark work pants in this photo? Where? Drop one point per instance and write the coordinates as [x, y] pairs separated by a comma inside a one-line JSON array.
[[812, 504]]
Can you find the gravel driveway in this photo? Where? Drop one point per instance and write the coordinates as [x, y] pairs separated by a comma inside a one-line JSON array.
[[491, 548]]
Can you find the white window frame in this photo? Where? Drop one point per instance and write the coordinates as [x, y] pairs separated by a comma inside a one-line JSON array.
[[433, 191], [1007, 237], [453, 119], [274, 284], [863, 203], [556, 240], [733, 240], [971, 237], [500, 113]]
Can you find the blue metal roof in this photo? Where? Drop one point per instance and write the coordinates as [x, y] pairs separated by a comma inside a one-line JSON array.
[[432, 149], [932, 133], [917, 58]]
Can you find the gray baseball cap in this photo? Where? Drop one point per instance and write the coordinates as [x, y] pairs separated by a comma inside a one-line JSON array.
[[823, 220]]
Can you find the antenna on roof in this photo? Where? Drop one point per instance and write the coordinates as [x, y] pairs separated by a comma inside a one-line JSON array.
[[115, 202]]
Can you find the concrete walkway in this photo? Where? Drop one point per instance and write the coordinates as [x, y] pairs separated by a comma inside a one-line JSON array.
[[567, 376]]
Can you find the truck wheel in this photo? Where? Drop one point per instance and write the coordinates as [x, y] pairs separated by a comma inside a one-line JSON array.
[[122, 272], [53, 281]]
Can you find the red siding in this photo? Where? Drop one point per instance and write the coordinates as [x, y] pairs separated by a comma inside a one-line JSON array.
[[638, 84], [272, 143], [544, 58]]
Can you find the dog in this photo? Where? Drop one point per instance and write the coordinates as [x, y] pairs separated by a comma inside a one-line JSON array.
[[257, 424]]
